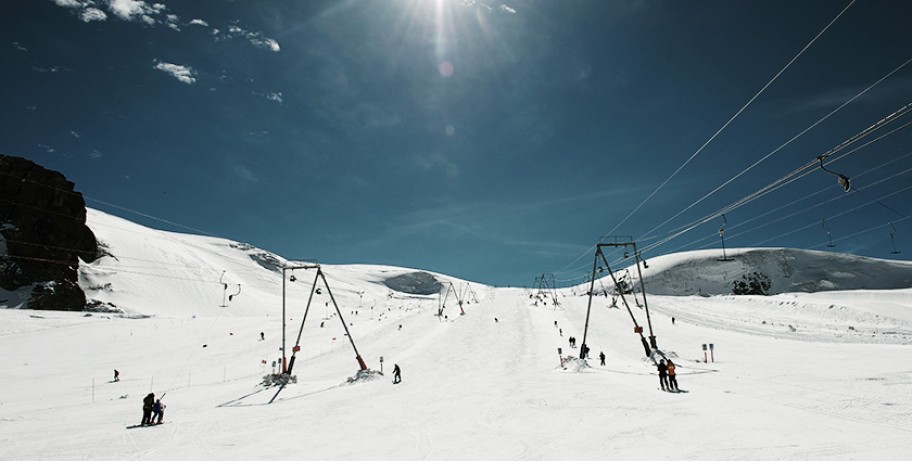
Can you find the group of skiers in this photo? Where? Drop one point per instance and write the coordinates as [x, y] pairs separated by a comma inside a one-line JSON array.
[[152, 410], [667, 378]]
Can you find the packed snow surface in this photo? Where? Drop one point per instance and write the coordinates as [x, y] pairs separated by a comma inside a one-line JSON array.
[[805, 374]]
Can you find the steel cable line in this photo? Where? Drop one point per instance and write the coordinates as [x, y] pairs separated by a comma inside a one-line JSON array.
[[843, 213], [717, 133], [817, 205], [732, 119], [86, 197], [870, 229], [789, 177], [781, 207], [782, 146]]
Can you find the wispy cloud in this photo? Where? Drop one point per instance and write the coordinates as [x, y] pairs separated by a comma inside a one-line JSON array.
[[182, 73], [19, 47], [75, 134], [92, 14], [255, 38], [277, 97], [157, 13], [507, 9], [245, 173]]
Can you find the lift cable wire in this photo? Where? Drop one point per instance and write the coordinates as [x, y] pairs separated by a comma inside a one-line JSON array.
[[781, 207], [782, 146], [732, 119], [86, 197], [870, 229], [783, 180], [819, 204], [715, 135], [811, 166], [843, 213]]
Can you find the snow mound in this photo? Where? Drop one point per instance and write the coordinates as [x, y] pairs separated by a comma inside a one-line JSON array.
[[575, 365], [364, 376], [789, 270]]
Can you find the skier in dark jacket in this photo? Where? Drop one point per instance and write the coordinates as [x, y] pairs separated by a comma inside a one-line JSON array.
[[602, 358], [663, 374], [397, 378], [148, 402], [158, 411]]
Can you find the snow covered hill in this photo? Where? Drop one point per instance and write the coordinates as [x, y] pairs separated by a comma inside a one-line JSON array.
[[789, 271], [152, 272], [792, 376]]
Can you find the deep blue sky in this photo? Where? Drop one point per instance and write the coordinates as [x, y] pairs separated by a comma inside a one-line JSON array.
[[492, 141]]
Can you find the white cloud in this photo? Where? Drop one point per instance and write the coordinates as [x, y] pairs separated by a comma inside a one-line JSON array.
[[182, 73], [199, 22], [130, 10], [75, 134], [92, 14], [255, 38], [71, 3], [266, 43], [507, 9], [277, 97], [19, 47]]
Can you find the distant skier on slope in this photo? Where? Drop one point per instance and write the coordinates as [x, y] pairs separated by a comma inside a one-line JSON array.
[[116, 375], [397, 374], [148, 402], [663, 374], [602, 357]]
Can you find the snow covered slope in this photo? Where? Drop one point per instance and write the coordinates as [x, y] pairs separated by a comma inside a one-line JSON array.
[[790, 380], [789, 270], [152, 272]]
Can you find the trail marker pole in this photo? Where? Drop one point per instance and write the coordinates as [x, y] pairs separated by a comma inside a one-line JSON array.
[[711, 354], [704, 353]]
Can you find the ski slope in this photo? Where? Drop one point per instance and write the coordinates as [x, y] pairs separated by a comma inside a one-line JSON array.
[[473, 387]]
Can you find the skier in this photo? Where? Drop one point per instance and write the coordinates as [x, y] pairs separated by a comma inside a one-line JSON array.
[[672, 320], [584, 351], [116, 375], [158, 411], [495, 320], [602, 357], [663, 374], [397, 374], [262, 336], [672, 380], [148, 401]]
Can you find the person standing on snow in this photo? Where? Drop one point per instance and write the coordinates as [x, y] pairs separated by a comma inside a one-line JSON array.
[[148, 402], [663, 374], [602, 357], [116, 375], [397, 374], [672, 380], [158, 411]]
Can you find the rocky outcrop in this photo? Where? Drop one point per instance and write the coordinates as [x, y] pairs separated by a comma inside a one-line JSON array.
[[414, 283], [44, 233]]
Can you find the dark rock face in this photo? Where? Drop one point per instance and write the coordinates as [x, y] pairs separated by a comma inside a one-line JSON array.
[[415, 283], [42, 224]]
